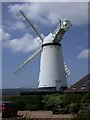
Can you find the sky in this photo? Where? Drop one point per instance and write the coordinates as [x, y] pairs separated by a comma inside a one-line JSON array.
[[18, 43]]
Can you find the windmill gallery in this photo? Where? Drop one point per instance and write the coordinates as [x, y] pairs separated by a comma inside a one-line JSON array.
[[53, 70]]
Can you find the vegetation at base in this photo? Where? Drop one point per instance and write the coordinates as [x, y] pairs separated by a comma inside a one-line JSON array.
[[32, 102], [71, 102], [82, 116]]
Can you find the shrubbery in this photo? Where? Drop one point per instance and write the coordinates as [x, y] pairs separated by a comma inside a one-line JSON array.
[[32, 102], [70, 101]]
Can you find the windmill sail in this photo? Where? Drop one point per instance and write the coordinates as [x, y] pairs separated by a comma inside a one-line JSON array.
[[67, 71], [25, 62], [61, 29], [28, 23]]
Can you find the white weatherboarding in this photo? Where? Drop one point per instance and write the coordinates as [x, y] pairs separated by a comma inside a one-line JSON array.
[[53, 70]]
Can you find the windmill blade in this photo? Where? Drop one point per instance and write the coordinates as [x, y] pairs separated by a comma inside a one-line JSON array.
[[67, 71], [25, 62], [28, 23]]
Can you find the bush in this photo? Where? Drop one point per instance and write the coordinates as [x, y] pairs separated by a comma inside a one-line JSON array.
[[32, 102], [52, 101], [67, 101], [73, 108], [84, 115]]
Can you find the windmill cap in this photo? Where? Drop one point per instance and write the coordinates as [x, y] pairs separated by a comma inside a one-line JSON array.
[[49, 39]]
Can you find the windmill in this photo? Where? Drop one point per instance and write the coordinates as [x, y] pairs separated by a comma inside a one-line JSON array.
[[53, 70]]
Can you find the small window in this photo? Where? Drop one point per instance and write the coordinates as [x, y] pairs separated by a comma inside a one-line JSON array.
[[74, 88], [83, 88]]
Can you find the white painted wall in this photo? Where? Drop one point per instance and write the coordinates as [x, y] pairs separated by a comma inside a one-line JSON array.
[[52, 67]]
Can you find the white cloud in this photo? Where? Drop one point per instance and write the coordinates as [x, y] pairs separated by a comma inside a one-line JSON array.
[[48, 13], [14, 25], [25, 44], [84, 54], [45, 13], [4, 35], [17, 25]]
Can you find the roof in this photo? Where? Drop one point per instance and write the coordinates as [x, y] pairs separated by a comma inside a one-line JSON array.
[[83, 85], [48, 39]]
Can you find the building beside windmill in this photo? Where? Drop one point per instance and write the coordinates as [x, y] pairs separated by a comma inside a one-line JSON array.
[[82, 85]]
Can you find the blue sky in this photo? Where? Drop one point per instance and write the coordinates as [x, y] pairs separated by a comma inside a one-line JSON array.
[[18, 43]]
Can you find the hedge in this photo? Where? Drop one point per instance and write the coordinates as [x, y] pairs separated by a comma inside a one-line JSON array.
[[71, 101]]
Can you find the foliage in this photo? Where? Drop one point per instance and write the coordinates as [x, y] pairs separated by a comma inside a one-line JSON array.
[[86, 98], [73, 108], [84, 115], [32, 102], [70, 101], [51, 101]]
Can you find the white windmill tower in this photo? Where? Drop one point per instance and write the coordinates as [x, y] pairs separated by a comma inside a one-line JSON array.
[[53, 70]]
